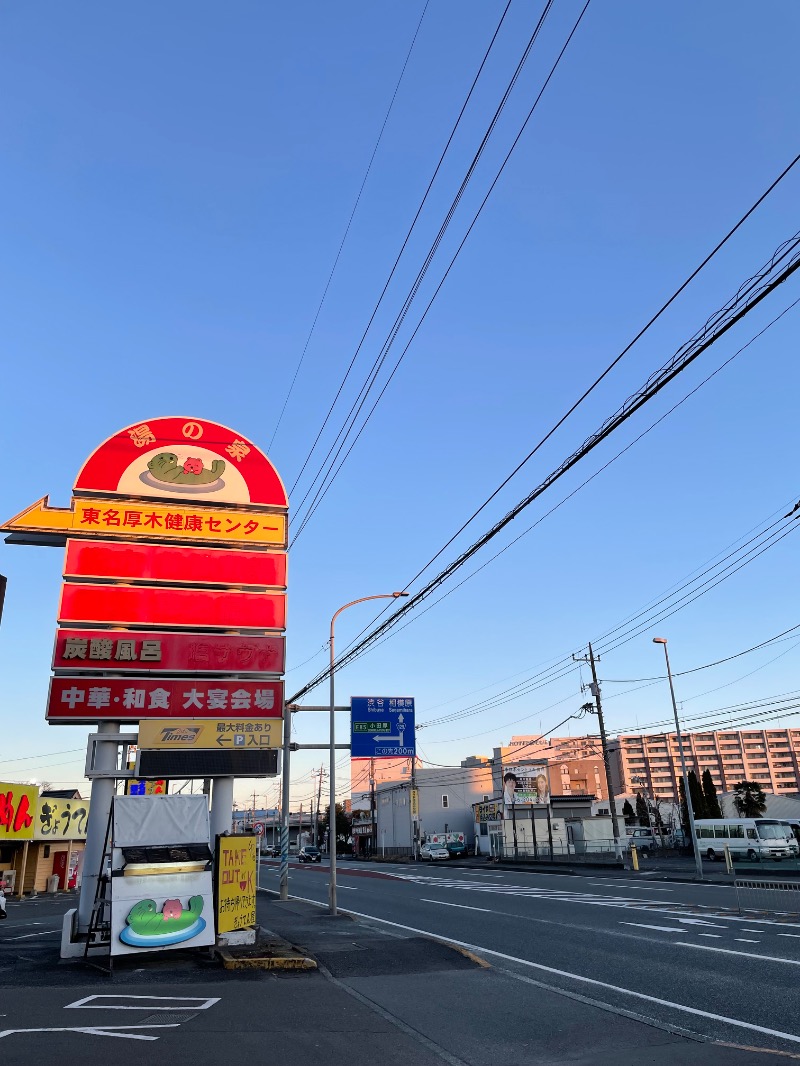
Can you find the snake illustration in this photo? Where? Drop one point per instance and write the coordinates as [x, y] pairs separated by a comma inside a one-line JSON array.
[[164, 467]]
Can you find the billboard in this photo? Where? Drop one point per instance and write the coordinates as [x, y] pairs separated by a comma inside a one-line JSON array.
[[17, 811], [61, 819], [526, 786], [236, 882], [114, 699], [215, 733], [159, 651]]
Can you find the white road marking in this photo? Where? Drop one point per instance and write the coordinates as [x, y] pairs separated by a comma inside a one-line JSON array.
[[641, 888], [660, 928], [105, 1030], [752, 930], [743, 940], [460, 906], [795, 936], [696, 921], [792, 1037], [744, 954], [144, 1002], [716, 936]]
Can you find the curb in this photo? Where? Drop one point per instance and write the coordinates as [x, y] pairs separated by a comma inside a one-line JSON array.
[[289, 960]]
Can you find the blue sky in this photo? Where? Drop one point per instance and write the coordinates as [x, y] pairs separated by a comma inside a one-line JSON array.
[[175, 181]]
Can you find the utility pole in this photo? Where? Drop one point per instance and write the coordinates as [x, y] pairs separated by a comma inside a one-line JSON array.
[[598, 710], [320, 774], [414, 798]]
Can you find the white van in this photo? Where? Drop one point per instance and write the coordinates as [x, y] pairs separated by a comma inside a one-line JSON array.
[[751, 838]]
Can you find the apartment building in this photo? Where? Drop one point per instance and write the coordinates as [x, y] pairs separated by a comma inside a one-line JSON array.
[[652, 762]]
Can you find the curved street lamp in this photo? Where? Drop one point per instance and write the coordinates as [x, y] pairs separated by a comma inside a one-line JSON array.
[[332, 810]]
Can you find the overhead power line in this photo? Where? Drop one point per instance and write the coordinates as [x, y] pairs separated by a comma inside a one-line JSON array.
[[332, 473], [778, 269], [343, 382], [347, 229]]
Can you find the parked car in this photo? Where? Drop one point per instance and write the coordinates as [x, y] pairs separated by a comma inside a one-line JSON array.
[[644, 839], [309, 854], [433, 851], [272, 851]]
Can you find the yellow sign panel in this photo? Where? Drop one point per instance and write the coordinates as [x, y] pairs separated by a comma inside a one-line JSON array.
[[214, 733], [133, 519], [17, 811], [236, 883], [61, 819], [414, 802]]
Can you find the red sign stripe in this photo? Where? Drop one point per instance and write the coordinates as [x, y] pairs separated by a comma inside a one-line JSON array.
[[174, 563], [193, 608]]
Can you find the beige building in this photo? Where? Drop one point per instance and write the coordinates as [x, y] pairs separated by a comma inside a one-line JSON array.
[[575, 763], [652, 762]]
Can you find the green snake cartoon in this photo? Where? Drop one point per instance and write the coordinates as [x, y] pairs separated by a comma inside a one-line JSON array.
[[164, 467], [146, 920]]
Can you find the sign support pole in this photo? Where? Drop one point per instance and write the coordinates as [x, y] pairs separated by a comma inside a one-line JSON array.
[[99, 811], [221, 806], [287, 730]]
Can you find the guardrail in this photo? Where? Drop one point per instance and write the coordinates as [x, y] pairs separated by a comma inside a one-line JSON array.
[[767, 894]]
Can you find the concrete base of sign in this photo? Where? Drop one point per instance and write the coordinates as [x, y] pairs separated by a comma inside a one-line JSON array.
[[71, 949], [237, 937]]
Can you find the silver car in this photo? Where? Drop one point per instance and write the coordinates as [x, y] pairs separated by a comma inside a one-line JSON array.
[[433, 851]]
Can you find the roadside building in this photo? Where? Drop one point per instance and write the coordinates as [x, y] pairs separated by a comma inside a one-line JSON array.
[[575, 764], [445, 799]]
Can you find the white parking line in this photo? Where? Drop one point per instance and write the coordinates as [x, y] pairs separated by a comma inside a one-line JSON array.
[[144, 1002], [44, 932]]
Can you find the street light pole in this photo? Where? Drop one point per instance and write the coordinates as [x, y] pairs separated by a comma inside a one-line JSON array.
[[332, 809], [698, 861]]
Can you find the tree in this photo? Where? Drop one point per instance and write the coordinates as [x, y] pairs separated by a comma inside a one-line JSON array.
[[343, 827], [749, 799], [642, 813], [698, 801], [713, 809], [628, 813]]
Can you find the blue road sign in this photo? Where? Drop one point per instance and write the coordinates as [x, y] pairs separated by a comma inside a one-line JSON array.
[[382, 727]]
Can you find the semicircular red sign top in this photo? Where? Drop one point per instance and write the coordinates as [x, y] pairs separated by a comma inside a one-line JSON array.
[[183, 459]]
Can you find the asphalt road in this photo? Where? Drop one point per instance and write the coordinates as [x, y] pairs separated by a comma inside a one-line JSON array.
[[680, 954]]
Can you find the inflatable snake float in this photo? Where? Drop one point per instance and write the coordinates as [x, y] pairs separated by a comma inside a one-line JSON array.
[[164, 467]]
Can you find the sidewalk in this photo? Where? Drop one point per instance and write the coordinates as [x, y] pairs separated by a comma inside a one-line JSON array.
[[383, 996]]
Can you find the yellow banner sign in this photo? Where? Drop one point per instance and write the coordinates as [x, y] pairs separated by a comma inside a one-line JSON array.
[[236, 883], [214, 733], [133, 520], [414, 802], [61, 819], [17, 811]]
